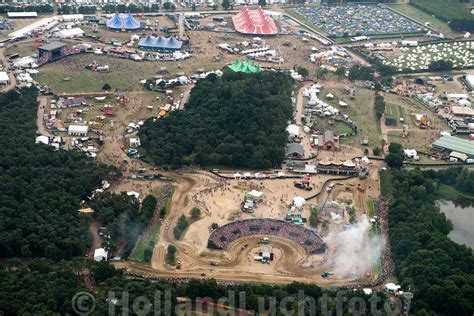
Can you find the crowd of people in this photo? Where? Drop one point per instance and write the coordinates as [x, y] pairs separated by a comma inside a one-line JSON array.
[[340, 21], [308, 239]]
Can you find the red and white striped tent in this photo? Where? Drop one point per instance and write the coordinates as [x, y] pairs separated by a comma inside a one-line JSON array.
[[254, 22]]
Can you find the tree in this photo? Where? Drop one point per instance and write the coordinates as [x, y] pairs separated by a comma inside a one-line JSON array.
[[211, 132], [180, 227], [341, 72], [195, 213], [379, 106], [396, 156], [226, 4], [214, 226], [376, 151], [262, 3], [106, 87], [193, 6], [440, 65], [171, 254], [303, 72], [167, 6], [102, 271]]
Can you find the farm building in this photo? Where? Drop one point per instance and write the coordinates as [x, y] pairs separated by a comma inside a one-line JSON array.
[[72, 102], [328, 141], [160, 43], [295, 150], [122, 21], [452, 143], [254, 22]]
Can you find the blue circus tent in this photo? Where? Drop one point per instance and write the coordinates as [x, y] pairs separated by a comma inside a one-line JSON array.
[[160, 43], [123, 21]]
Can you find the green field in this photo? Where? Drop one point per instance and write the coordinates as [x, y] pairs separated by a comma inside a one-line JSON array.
[[423, 17], [361, 111], [395, 111], [386, 184]]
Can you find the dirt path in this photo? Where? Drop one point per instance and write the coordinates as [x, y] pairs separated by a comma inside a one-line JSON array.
[[183, 186], [96, 241], [186, 95], [5, 63], [41, 129], [300, 101]]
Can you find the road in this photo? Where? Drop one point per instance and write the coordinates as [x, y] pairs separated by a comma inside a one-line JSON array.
[[5, 63]]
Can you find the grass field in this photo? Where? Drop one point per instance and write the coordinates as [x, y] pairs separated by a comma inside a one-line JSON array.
[[395, 111], [423, 17], [386, 187], [360, 110]]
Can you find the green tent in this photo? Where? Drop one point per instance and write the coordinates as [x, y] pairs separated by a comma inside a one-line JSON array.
[[244, 66]]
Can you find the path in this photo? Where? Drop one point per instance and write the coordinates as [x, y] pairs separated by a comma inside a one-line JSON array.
[[96, 241], [41, 129], [186, 95], [5, 63]]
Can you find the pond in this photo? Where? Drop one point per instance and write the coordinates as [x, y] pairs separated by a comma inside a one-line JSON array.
[[462, 217]]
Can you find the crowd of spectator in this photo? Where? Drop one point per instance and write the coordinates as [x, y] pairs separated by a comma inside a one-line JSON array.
[[308, 239], [353, 20]]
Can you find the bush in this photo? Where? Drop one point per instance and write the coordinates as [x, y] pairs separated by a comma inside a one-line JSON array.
[[396, 156], [106, 87], [195, 213], [180, 227], [376, 151], [171, 255]]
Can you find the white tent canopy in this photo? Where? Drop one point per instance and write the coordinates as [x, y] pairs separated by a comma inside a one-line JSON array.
[[299, 201], [255, 194]]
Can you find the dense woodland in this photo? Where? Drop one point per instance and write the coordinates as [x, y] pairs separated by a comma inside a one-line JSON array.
[[237, 121], [437, 270], [40, 188]]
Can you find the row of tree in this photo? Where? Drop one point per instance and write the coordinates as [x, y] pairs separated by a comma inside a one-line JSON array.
[[437, 270], [238, 120]]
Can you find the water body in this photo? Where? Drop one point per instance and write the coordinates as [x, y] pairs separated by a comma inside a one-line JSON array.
[[462, 217]]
